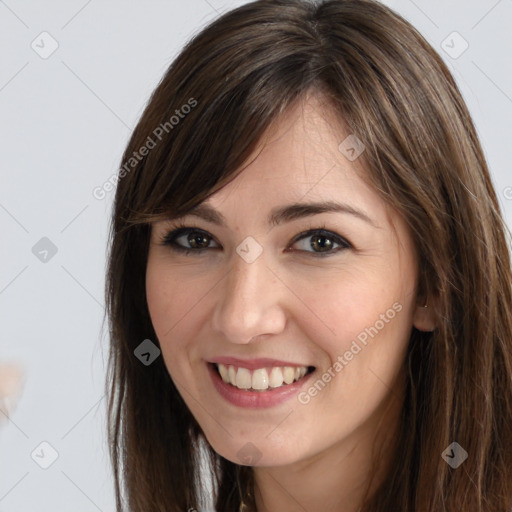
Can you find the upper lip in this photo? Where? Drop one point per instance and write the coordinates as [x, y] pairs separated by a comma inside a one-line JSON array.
[[253, 364]]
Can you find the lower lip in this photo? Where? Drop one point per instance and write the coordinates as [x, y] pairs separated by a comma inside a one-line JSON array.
[[255, 399]]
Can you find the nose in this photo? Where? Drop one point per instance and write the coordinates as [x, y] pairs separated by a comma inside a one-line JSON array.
[[249, 302]]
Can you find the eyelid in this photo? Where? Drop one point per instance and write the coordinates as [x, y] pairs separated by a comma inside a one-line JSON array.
[[170, 234], [322, 231]]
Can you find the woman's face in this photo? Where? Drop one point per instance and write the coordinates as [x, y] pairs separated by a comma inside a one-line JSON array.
[[333, 292]]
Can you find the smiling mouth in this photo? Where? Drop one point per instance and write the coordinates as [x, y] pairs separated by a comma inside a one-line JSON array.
[[261, 379]]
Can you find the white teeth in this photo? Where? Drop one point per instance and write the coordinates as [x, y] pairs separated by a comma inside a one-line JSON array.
[[223, 372], [288, 374], [232, 375], [276, 377], [243, 378], [260, 379]]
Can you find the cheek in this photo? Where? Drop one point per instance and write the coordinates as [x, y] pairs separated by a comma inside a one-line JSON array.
[[366, 318], [169, 297], [159, 300], [343, 307], [164, 307], [174, 307]]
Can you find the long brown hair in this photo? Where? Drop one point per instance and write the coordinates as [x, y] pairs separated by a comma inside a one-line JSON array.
[[422, 155]]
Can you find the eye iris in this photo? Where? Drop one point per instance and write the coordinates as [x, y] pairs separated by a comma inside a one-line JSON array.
[[195, 239], [324, 245]]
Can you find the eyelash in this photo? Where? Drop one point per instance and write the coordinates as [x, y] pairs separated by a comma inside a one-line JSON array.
[[169, 239]]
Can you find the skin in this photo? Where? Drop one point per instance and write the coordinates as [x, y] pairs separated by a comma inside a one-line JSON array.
[[11, 387], [292, 305]]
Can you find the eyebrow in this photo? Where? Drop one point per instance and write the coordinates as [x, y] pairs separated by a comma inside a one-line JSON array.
[[283, 213]]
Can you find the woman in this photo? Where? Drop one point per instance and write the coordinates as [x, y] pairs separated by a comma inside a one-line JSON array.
[[309, 277]]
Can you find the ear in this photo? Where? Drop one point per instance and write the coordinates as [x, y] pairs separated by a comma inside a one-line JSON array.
[[423, 318]]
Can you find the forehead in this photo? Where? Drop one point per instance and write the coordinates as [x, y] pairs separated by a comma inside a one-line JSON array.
[[299, 158]]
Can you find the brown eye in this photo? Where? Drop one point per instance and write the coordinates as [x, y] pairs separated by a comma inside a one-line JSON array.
[[187, 240], [322, 242], [192, 240], [197, 240]]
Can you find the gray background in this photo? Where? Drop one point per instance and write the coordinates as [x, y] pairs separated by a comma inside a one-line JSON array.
[[65, 120]]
